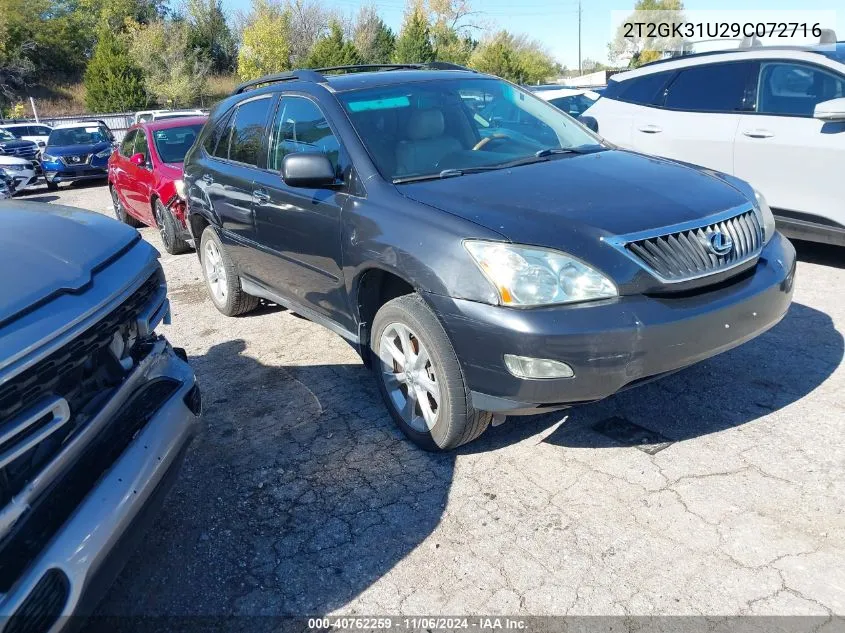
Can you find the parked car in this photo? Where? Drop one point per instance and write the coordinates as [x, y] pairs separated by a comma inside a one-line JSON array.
[[157, 115], [35, 132], [5, 187], [97, 410], [573, 101], [20, 172], [145, 178], [772, 116], [17, 148], [76, 151], [479, 271]]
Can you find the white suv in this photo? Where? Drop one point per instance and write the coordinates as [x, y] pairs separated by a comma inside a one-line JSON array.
[[772, 116]]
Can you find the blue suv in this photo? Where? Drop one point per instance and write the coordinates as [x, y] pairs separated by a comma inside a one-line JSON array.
[[483, 268], [77, 151]]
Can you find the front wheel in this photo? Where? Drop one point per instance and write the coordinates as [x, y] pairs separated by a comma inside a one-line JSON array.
[[420, 378], [52, 186]]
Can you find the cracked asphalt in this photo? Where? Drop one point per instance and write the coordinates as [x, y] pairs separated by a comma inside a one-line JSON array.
[[301, 497]]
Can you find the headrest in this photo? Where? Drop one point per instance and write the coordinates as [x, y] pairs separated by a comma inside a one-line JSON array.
[[424, 124]]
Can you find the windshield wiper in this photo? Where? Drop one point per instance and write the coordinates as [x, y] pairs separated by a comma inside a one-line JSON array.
[[451, 173], [549, 151]]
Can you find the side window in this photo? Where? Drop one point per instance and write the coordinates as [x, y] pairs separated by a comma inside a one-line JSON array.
[[642, 90], [248, 130], [128, 143], [40, 130], [796, 89], [709, 88], [141, 144], [212, 141], [301, 127]]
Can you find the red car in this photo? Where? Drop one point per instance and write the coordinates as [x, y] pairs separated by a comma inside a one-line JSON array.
[[145, 178]]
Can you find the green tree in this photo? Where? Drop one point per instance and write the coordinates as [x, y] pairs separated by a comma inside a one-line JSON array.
[[265, 41], [209, 33], [113, 83], [638, 50], [174, 74], [414, 42], [373, 39], [332, 50], [515, 58]]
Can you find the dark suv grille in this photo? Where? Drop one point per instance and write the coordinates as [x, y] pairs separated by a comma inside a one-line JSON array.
[[684, 255], [23, 152], [82, 371], [75, 160]]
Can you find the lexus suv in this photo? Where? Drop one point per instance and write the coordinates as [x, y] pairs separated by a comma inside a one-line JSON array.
[[773, 116], [483, 268], [96, 409]]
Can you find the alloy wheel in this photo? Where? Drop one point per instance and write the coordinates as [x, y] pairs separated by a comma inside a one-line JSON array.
[[215, 272], [410, 376]]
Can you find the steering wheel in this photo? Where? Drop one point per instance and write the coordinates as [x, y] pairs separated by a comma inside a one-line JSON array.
[[487, 139]]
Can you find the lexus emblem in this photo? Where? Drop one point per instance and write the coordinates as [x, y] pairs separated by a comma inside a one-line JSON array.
[[718, 243]]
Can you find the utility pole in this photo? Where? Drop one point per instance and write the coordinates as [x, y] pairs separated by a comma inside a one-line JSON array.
[[580, 71]]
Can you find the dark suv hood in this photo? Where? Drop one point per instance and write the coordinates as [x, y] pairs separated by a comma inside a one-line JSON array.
[[596, 195], [7, 146], [49, 249]]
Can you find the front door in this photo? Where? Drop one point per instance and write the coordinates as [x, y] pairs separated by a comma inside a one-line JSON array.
[[793, 159], [298, 229], [139, 182]]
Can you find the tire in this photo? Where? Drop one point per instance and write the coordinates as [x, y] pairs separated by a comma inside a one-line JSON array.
[[225, 289], [119, 211], [168, 229], [455, 421], [52, 186]]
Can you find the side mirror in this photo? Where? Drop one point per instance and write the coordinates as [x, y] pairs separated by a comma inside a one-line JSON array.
[[138, 159], [308, 169], [833, 110], [589, 122]]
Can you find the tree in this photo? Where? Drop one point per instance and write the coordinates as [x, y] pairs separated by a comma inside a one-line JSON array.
[[414, 42], [515, 58], [308, 22], [265, 41], [638, 49], [373, 39], [113, 83], [209, 33], [174, 74], [332, 50]]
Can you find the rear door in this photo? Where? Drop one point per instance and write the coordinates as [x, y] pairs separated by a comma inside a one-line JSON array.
[[698, 116], [299, 228], [139, 182], [229, 175], [794, 159]]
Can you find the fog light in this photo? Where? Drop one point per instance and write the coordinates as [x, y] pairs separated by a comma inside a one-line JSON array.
[[538, 368]]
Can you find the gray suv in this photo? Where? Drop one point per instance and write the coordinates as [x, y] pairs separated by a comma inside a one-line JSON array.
[[96, 410]]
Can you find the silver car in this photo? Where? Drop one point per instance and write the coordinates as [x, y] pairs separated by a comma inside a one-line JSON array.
[[96, 409]]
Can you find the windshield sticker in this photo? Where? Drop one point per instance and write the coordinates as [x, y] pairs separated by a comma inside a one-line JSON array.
[[380, 104]]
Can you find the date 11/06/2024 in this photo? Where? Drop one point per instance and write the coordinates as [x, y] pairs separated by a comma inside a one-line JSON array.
[[417, 623]]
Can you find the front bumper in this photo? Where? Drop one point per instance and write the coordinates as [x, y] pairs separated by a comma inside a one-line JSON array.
[[57, 172], [612, 344], [90, 547]]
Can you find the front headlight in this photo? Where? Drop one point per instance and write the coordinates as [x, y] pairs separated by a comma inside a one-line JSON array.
[[527, 276], [14, 167], [104, 153], [46, 158], [180, 188], [767, 217]]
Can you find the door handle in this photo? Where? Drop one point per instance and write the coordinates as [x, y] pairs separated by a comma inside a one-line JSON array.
[[260, 195], [758, 133], [207, 179], [650, 129]]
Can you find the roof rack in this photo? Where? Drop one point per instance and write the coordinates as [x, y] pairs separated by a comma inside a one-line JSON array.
[[316, 75], [293, 75]]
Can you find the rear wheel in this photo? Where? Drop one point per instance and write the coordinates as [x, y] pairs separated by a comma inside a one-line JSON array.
[[117, 205], [221, 277], [420, 378], [168, 229]]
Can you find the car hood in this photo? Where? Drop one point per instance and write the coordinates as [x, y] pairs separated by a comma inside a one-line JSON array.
[[84, 148], [50, 249], [596, 195], [17, 144]]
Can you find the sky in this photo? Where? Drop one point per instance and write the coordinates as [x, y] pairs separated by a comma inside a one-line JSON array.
[[555, 22]]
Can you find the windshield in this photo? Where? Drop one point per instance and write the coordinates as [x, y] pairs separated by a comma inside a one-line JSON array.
[[5, 135], [418, 129], [78, 136], [173, 143]]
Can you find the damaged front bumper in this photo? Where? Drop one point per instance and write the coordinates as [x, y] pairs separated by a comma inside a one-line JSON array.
[[612, 344], [65, 544]]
